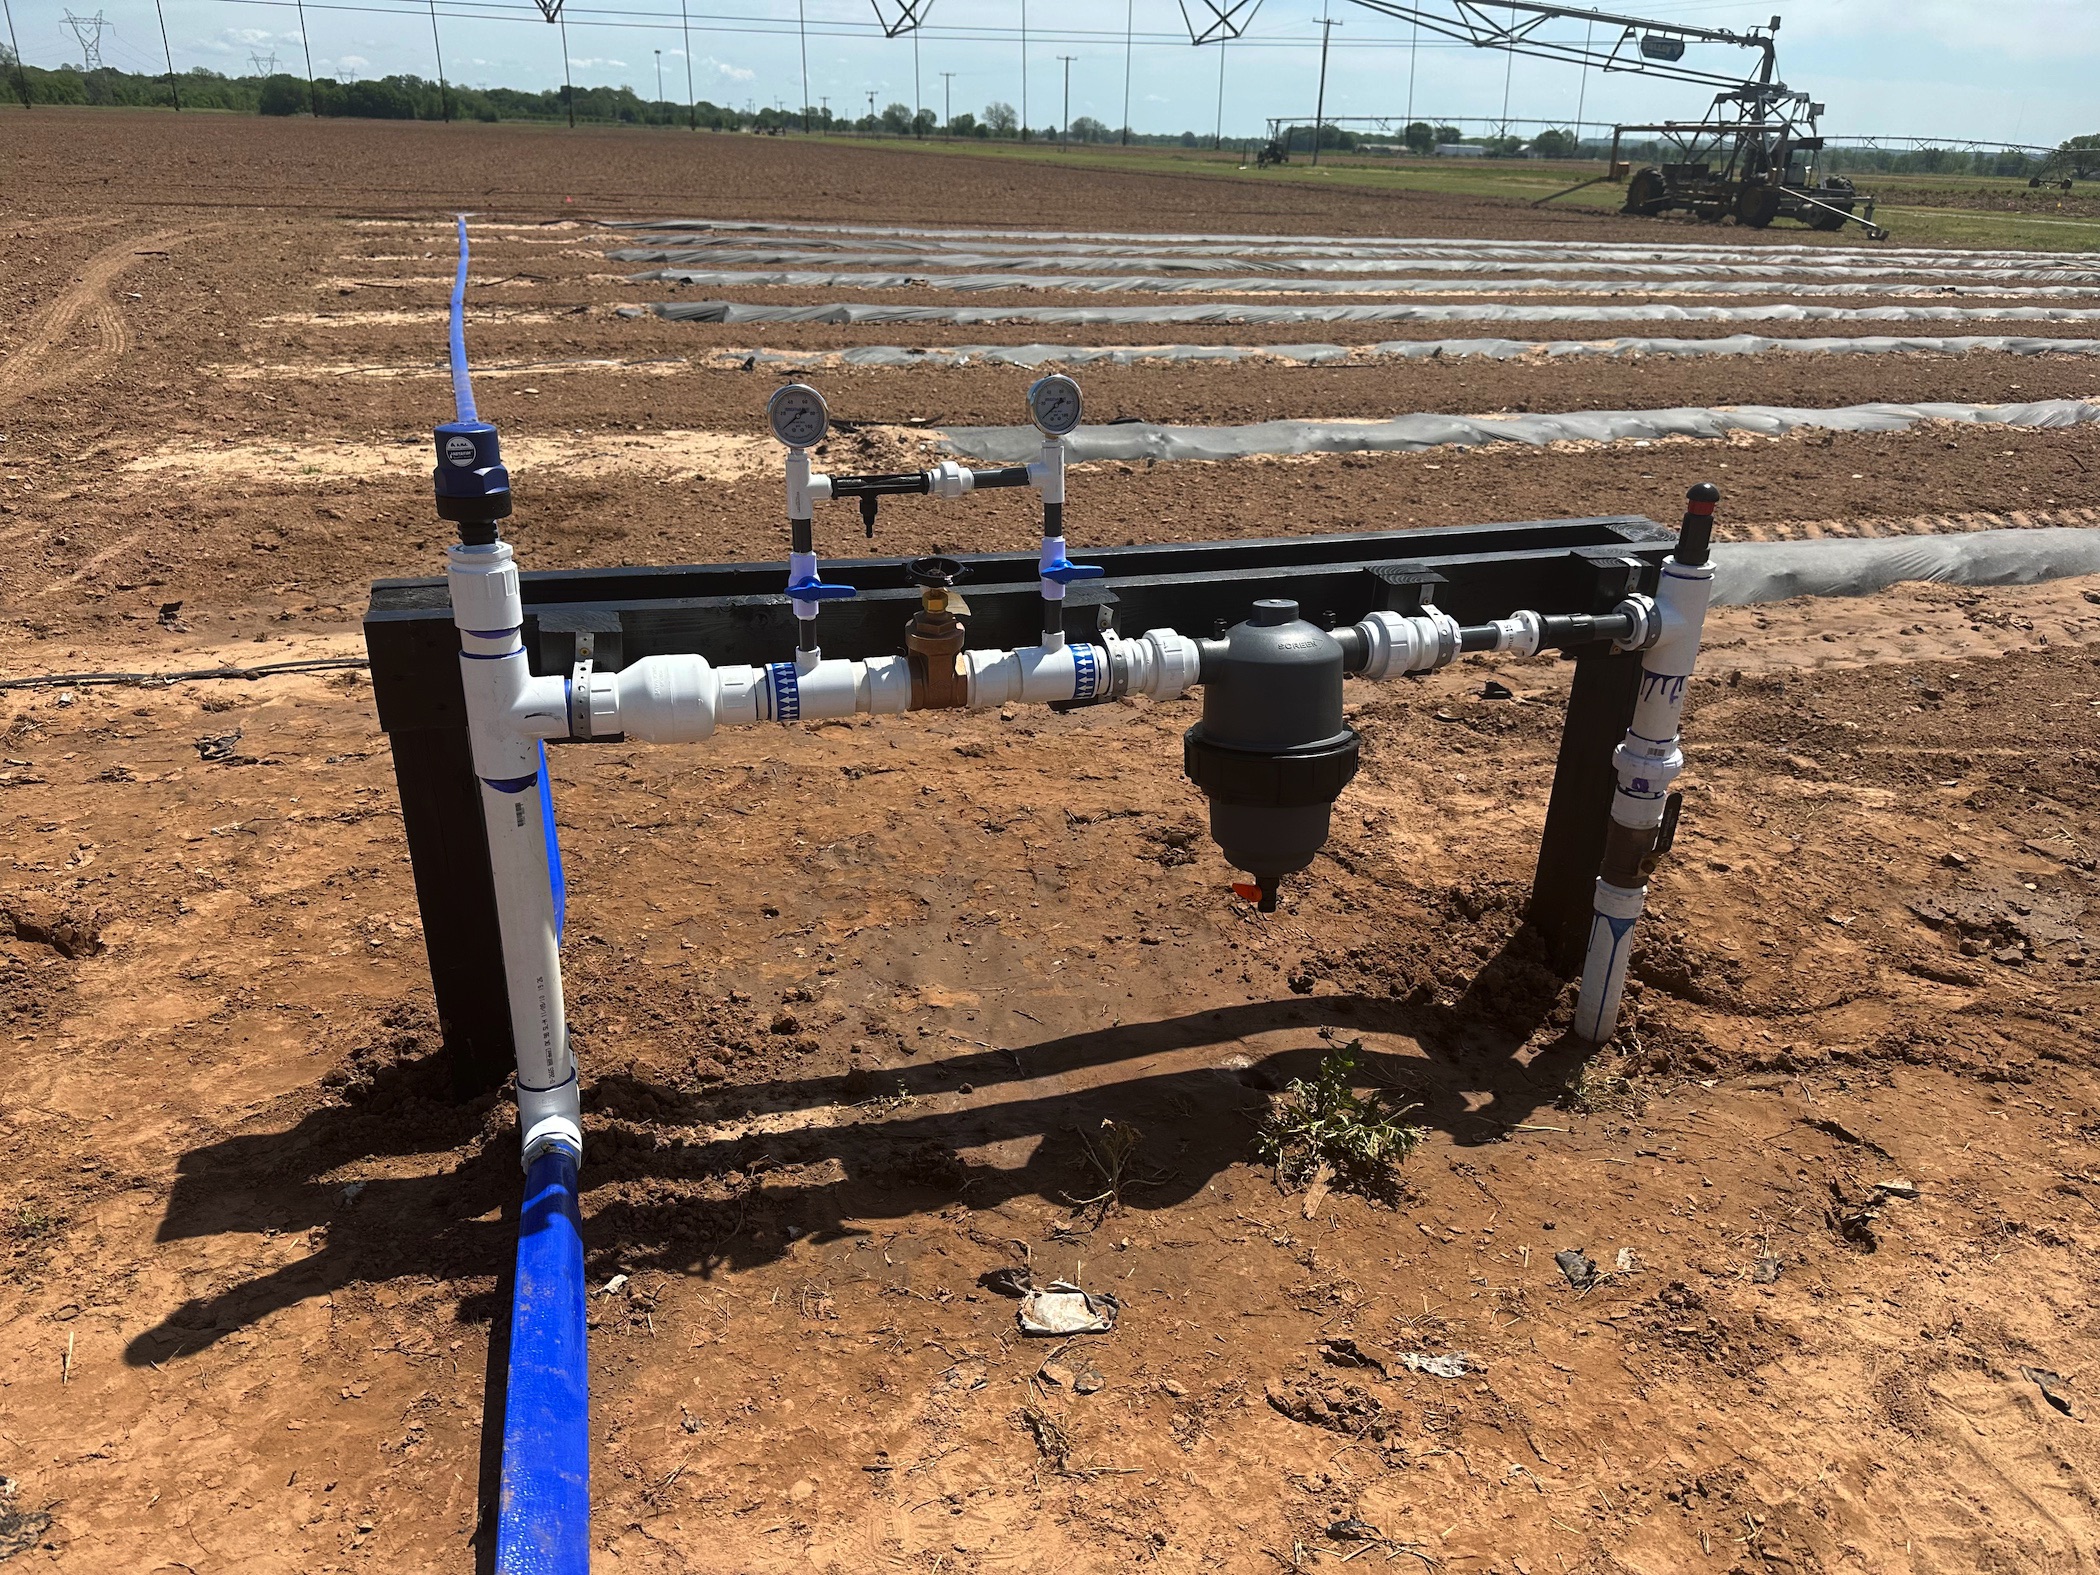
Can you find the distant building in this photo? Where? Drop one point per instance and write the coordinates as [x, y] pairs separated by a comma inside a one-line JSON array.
[[1460, 150]]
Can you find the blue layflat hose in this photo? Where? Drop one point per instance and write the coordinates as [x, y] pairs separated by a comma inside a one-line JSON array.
[[543, 1522], [462, 388]]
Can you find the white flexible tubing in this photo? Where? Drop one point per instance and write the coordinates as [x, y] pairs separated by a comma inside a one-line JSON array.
[[508, 713], [1647, 761]]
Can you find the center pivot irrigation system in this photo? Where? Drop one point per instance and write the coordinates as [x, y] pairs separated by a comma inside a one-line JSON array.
[[475, 674], [1754, 156]]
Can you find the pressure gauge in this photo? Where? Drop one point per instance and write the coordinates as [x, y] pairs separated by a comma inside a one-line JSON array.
[[798, 415], [1053, 405]]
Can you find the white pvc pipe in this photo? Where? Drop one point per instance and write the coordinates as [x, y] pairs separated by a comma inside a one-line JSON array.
[[509, 712], [1647, 761]]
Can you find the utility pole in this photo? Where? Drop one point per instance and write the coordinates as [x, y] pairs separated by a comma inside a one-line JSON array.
[[692, 107], [1024, 70], [1064, 132], [1217, 137], [174, 92], [802, 26], [918, 101], [873, 127], [568, 88], [1129, 20], [444, 98], [21, 76], [659, 81], [313, 91], [1327, 27], [947, 106]]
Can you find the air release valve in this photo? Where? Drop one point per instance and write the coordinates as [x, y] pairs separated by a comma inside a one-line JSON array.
[[1272, 753], [472, 485]]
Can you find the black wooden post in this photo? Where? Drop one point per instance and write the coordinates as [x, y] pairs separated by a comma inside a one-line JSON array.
[[449, 849], [416, 688], [1600, 706]]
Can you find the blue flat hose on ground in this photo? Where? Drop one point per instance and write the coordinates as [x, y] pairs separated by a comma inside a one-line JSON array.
[[543, 1523]]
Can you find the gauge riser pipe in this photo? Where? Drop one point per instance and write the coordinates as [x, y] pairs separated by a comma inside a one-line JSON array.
[[1647, 763]]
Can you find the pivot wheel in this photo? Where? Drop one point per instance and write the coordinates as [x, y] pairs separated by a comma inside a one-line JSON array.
[[1757, 206], [1646, 194], [1831, 221]]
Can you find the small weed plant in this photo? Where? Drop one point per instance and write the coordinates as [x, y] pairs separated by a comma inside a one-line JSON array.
[[1359, 1138]]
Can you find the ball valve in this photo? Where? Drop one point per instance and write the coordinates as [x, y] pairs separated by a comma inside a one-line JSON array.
[[1272, 753]]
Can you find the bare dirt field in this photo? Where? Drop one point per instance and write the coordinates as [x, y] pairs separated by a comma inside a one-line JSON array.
[[848, 999]]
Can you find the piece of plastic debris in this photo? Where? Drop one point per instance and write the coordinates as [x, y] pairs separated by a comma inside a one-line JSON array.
[[1492, 690], [1623, 1264], [1765, 1271], [1896, 1187], [1345, 1352], [1088, 1382], [615, 1285], [2050, 1384], [1451, 1364], [351, 1191], [1354, 1530], [1576, 1265], [1063, 1308], [1007, 1282]]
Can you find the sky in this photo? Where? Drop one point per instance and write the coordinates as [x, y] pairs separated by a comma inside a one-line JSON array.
[[2020, 71]]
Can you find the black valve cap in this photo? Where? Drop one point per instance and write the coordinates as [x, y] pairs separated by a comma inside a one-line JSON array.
[[935, 571], [1695, 537]]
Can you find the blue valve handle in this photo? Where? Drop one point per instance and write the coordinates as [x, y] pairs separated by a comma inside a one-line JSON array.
[[1064, 571], [818, 591]]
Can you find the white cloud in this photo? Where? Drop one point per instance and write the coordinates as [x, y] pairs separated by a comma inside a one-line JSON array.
[[729, 72], [593, 61]]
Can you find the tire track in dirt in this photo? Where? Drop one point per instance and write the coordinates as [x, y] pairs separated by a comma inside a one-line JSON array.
[[27, 368]]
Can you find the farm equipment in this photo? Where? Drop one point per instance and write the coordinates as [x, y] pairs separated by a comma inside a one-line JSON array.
[[1753, 159], [1274, 153], [1754, 156]]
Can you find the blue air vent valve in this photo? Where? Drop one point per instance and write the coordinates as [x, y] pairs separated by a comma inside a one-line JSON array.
[[471, 483]]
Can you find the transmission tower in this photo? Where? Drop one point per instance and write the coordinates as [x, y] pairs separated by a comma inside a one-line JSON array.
[[265, 65], [87, 31]]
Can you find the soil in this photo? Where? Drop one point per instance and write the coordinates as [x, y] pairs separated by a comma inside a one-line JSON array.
[[844, 1045]]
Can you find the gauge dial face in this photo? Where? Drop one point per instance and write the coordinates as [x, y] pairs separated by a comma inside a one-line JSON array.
[[1053, 404], [798, 415]]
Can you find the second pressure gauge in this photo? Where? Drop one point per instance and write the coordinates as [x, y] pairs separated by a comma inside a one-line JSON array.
[[798, 416], [1053, 404]]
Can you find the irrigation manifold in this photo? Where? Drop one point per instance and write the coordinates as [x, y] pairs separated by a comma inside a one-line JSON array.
[[476, 673]]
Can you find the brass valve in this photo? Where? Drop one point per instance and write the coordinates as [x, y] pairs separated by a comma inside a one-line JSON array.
[[934, 637]]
